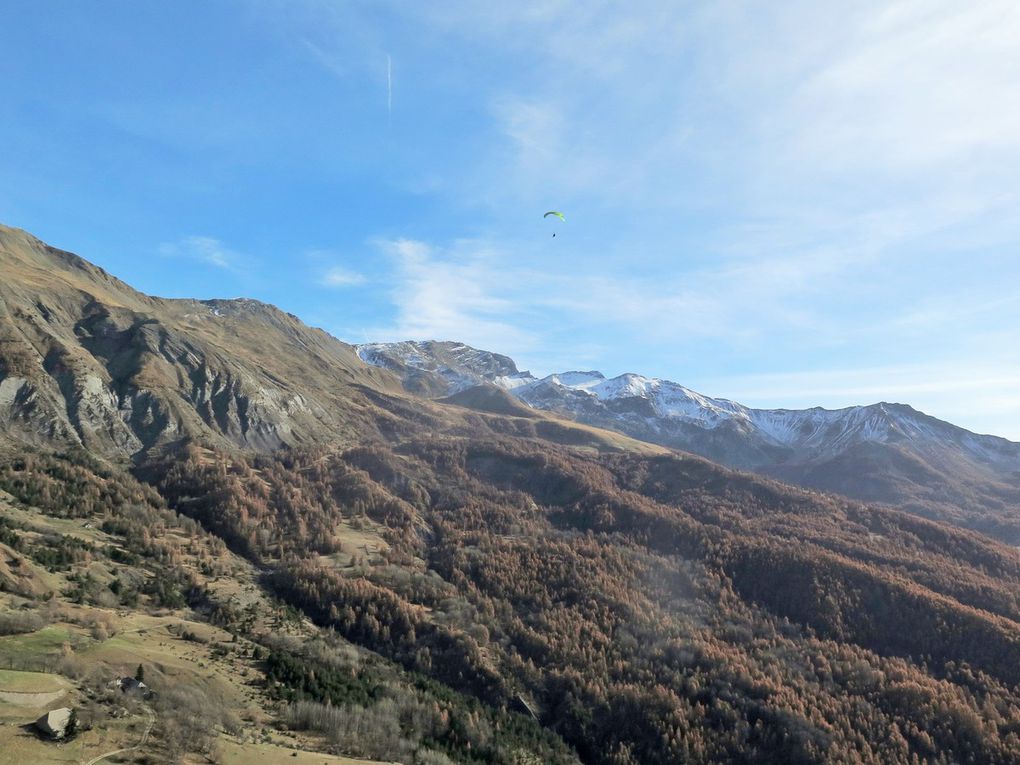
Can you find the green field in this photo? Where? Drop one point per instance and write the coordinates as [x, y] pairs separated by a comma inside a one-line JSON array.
[[31, 682], [44, 642]]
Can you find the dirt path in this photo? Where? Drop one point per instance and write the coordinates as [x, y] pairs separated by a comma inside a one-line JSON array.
[[139, 745]]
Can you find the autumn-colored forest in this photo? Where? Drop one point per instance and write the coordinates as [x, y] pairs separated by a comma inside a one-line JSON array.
[[533, 589], [645, 609]]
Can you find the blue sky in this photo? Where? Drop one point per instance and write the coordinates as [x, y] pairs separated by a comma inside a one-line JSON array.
[[788, 204]]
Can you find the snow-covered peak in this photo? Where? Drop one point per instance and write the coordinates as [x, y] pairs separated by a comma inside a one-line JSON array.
[[577, 380], [669, 413], [667, 399], [626, 385], [881, 452], [458, 366]]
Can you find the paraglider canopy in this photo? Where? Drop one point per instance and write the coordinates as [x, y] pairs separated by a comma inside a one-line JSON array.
[[557, 214]]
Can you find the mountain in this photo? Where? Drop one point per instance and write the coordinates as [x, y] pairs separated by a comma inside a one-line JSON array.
[[301, 556], [439, 369], [882, 452], [88, 361]]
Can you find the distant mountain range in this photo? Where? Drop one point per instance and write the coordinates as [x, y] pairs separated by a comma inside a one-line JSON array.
[[85, 359], [881, 452]]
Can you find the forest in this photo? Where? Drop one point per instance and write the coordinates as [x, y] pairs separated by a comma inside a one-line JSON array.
[[643, 609]]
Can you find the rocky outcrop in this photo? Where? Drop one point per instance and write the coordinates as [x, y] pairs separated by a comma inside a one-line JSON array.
[[57, 723], [86, 360]]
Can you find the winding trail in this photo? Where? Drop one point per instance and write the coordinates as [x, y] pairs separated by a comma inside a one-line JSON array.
[[139, 745]]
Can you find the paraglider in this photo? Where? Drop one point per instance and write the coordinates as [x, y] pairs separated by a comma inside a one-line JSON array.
[[557, 214]]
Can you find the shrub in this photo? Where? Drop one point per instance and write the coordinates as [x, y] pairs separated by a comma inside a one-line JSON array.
[[19, 623]]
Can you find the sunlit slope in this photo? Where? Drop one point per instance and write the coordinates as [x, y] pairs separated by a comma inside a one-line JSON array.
[[85, 359]]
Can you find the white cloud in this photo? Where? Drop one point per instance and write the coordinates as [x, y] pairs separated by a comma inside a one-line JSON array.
[[329, 61], [203, 248], [452, 294], [535, 128], [338, 276], [479, 292], [861, 385], [917, 84], [328, 273], [747, 184]]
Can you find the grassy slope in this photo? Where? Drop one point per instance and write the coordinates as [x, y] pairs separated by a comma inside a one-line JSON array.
[[30, 682], [232, 753], [153, 639]]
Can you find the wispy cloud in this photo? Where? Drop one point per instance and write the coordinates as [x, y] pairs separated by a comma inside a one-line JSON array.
[[864, 384], [535, 128], [206, 249], [327, 270], [916, 84], [327, 60], [338, 276], [478, 291], [799, 185], [455, 293]]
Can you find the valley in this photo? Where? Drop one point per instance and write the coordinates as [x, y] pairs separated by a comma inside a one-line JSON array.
[[307, 556], [889, 453]]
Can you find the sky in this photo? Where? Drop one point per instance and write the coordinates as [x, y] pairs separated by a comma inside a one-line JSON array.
[[787, 204]]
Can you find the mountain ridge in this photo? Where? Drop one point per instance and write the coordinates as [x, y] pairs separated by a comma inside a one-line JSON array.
[[85, 359], [886, 452], [88, 361]]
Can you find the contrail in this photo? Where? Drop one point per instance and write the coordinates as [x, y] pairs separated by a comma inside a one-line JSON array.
[[389, 84]]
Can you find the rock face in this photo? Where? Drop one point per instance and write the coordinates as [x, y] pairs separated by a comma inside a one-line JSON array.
[[54, 723], [882, 452], [85, 359], [433, 368]]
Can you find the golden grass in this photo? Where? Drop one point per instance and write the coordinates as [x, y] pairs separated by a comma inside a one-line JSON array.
[[232, 753], [44, 642], [21, 746]]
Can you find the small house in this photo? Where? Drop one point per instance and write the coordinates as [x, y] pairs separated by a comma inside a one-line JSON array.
[[132, 685], [129, 684]]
